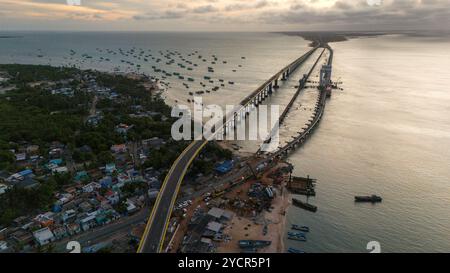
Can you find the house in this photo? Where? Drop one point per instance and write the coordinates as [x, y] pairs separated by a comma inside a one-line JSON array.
[[220, 214], [20, 221], [214, 226], [135, 176], [106, 182], [85, 206], [3, 245], [27, 183], [73, 229], [20, 175], [110, 168], [64, 198], [21, 157], [32, 149], [81, 176], [68, 215], [91, 187], [22, 237], [45, 220], [60, 170], [65, 91], [123, 178], [154, 143], [60, 233], [88, 222], [112, 197], [57, 161], [131, 207], [43, 236], [56, 152], [123, 128], [94, 120], [119, 148], [3, 188]]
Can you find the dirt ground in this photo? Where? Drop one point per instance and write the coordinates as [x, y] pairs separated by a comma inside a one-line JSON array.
[[243, 228]]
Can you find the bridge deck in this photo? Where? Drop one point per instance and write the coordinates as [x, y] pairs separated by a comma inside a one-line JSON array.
[[155, 231]]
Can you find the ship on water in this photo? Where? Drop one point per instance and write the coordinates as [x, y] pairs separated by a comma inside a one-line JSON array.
[[368, 199], [304, 205]]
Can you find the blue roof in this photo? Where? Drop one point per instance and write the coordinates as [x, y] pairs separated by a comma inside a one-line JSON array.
[[225, 167], [55, 161], [26, 172]]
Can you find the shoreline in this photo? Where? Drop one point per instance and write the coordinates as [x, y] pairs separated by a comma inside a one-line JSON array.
[[253, 228]]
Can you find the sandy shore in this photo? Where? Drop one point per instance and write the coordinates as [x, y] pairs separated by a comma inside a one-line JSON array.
[[242, 228]]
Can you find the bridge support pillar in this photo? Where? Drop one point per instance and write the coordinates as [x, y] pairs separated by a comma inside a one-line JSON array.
[[275, 84], [270, 89]]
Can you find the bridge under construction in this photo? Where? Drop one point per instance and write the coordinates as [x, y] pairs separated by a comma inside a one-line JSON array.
[[154, 235]]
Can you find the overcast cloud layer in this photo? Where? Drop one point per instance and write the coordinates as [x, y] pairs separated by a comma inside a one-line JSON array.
[[225, 15]]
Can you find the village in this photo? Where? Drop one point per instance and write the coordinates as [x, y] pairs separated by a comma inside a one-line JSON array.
[[97, 184], [59, 192]]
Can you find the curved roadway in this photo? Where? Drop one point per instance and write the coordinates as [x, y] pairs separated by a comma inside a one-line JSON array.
[[153, 238], [155, 231]]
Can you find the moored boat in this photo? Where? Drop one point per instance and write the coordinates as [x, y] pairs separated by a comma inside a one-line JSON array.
[[295, 250], [253, 243], [304, 205], [297, 238], [300, 228], [368, 199]]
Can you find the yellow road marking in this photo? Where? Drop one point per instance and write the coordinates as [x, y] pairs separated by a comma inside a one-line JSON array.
[[174, 198], [158, 199]]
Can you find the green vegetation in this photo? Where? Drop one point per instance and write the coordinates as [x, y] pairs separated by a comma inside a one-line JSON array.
[[32, 73], [17, 202]]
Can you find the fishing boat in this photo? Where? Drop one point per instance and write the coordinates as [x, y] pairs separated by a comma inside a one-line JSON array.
[[299, 234], [253, 243], [304, 205], [297, 238], [294, 250], [368, 199], [300, 228]]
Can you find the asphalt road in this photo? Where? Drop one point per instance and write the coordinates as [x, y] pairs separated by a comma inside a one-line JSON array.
[[153, 238], [154, 234], [100, 234]]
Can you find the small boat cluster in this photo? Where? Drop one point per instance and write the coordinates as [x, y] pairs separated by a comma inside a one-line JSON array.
[[298, 234], [183, 68]]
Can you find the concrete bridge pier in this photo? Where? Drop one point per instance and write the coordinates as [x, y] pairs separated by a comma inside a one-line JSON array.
[[270, 89], [276, 84]]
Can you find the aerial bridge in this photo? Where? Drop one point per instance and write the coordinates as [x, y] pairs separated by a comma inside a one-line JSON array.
[[155, 232], [319, 110]]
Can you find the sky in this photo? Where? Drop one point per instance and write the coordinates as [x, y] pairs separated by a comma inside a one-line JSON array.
[[224, 15]]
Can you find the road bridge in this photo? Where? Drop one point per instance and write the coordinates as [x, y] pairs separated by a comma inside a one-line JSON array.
[[154, 235]]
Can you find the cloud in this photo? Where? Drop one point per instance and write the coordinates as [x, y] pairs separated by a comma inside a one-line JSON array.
[[225, 14]]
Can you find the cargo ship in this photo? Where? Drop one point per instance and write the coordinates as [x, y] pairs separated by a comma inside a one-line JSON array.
[[368, 199], [304, 205]]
